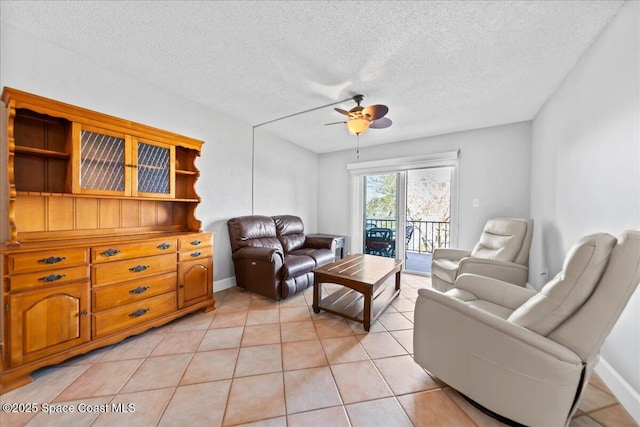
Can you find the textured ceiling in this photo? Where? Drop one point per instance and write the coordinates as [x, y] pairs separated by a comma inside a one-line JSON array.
[[440, 66]]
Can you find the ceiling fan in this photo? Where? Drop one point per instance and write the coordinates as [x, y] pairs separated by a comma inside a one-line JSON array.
[[362, 118]]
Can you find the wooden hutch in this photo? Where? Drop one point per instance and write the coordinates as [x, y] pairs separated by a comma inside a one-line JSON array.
[[100, 236]]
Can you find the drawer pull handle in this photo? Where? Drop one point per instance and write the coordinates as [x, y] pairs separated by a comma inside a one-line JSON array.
[[138, 268], [139, 312], [138, 290], [196, 242], [196, 254], [110, 252], [164, 246], [52, 277], [52, 260]]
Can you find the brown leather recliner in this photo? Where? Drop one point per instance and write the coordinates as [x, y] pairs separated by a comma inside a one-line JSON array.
[[273, 257]]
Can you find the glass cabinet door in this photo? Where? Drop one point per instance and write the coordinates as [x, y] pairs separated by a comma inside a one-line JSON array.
[[155, 174], [102, 161], [109, 163]]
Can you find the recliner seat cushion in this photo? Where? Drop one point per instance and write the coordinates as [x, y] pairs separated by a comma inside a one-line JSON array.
[[473, 301], [320, 256], [500, 240], [297, 265], [562, 296]]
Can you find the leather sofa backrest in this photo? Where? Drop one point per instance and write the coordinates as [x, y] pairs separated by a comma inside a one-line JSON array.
[[505, 239], [587, 329], [564, 294], [290, 231], [253, 230]]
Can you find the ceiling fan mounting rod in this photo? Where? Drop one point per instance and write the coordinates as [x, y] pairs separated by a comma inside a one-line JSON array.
[[306, 111]]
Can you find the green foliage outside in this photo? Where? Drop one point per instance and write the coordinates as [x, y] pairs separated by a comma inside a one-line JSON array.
[[381, 196]]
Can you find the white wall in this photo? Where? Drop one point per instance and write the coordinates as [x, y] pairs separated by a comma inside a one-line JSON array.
[[286, 175], [493, 167], [585, 174], [35, 66], [286, 179]]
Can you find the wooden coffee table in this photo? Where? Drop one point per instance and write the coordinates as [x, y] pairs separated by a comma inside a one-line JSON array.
[[365, 294]]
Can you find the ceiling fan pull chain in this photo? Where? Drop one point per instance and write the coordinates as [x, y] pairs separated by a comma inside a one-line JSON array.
[[358, 146]]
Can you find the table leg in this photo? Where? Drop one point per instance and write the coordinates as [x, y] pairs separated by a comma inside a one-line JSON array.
[[366, 316], [398, 280], [317, 290]]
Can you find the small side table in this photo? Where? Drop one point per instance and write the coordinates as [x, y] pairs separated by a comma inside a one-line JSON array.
[[340, 242]]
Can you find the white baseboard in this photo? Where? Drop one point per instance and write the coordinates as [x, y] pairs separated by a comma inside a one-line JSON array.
[[626, 395], [221, 285]]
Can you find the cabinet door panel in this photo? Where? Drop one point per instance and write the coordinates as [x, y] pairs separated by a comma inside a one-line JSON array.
[[47, 322], [101, 161], [195, 281], [155, 170]]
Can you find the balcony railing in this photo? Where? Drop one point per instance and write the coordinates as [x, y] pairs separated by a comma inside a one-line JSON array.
[[422, 236]]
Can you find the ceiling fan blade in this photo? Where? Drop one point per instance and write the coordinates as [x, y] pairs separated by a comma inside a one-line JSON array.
[[334, 123], [375, 111], [381, 123], [341, 111]]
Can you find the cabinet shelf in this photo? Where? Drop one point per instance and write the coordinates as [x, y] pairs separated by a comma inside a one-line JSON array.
[[91, 196], [160, 168], [41, 152], [185, 172], [90, 160]]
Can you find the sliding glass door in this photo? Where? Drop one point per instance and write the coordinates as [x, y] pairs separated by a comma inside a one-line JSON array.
[[405, 207], [381, 214], [407, 214], [428, 215]]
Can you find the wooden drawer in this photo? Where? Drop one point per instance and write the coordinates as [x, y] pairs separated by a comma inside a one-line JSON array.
[[197, 254], [46, 260], [130, 269], [105, 297], [116, 252], [126, 316], [48, 278], [194, 241]]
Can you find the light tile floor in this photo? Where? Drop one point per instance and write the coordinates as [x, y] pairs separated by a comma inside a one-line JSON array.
[[258, 362]]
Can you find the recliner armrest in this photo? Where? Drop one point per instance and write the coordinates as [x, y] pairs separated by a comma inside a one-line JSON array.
[[509, 272], [503, 330], [497, 363], [320, 242], [258, 254], [494, 290], [453, 254]]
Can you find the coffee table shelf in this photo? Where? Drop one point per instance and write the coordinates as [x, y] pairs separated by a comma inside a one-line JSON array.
[[365, 294]]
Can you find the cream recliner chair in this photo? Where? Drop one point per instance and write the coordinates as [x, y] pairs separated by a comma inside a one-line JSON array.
[[501, 253], [525, 355]]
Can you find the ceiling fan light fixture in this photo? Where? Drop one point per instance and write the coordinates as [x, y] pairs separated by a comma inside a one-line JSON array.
[[358, 126]]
